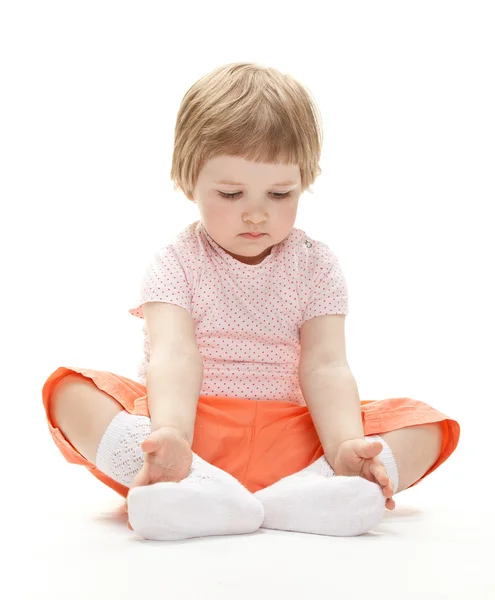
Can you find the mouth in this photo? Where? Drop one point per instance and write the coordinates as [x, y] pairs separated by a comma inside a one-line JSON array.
[[253, 235]]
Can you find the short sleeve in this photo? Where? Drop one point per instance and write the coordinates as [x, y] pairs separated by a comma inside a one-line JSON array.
[[329, 288], [165, 280]]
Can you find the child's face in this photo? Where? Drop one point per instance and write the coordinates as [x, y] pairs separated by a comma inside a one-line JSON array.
[[254, 208]]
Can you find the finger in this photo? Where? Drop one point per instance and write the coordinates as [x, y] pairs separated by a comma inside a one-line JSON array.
[[142, 478], [151, 443], [382, 477], [154, 440], [129, 526], [388, 484], [390, 504], [378, 470], [370, 449]]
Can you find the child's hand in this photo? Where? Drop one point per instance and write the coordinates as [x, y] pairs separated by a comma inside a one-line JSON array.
[[168, 457], [359, 457]]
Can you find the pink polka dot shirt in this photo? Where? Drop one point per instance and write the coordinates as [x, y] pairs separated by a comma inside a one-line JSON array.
[[247, 317]]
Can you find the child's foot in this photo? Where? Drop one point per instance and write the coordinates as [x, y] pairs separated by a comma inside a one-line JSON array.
[[315, 501], [208, 502]]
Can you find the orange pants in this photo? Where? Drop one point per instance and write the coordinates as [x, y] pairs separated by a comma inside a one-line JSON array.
[[257, 442]]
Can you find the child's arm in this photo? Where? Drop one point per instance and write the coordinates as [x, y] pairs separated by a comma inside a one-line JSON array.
[[175, 370], [327, 383], [332, 397]]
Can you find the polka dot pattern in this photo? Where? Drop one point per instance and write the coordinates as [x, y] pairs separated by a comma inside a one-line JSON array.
[[247, 317]]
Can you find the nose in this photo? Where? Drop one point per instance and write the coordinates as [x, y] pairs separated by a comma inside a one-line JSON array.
[[255, 219], [256, 214]]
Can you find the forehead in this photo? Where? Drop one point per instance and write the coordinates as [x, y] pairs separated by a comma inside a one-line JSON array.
[[240, 171]]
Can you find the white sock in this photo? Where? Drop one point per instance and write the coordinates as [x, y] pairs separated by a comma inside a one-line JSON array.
[[315, 500], [208, 502], [119, 453], [387, 459]]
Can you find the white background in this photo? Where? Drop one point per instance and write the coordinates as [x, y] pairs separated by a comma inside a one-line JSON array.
[[89, 97]]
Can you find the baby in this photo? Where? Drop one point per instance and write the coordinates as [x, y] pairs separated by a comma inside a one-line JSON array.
[[245, 413]]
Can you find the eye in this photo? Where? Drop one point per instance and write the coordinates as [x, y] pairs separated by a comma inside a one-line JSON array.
[[276, 195]]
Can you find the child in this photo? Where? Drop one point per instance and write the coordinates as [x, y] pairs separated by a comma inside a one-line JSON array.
[[245, 412]]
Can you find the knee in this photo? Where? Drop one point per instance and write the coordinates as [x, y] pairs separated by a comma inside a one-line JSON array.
[[432, 442], [437, 437], [59, 401]]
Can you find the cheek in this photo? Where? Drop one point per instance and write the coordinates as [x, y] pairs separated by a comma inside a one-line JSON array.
[[287, 213], [217, 214], [216, 211]]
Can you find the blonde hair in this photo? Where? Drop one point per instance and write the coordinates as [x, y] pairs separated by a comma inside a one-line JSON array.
[[250, 111]]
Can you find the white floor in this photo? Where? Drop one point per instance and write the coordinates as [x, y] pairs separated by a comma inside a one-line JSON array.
[[68, 539]]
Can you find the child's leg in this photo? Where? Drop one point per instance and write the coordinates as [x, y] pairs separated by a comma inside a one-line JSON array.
[[208, 502], [350, 505], [98, 427], [314, 500], [415, 449], [310, 498], [83, 413]]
